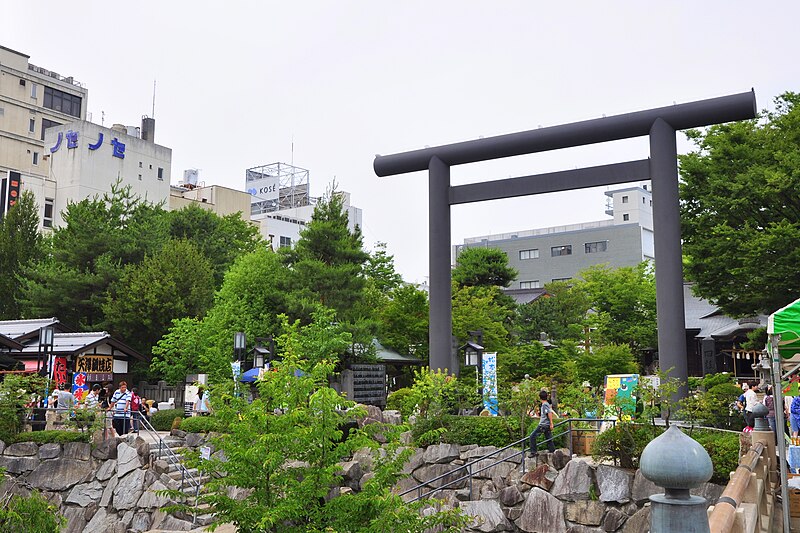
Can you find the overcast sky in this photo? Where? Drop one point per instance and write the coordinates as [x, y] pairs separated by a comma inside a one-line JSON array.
[[237, 81]]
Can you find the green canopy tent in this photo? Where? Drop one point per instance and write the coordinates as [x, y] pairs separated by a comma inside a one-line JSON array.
[[783, 330]]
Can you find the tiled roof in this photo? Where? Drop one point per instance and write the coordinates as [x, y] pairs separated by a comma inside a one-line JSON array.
[[17, 329]]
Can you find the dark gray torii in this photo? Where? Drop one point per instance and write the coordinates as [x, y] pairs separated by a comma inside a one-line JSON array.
[[662, 168]]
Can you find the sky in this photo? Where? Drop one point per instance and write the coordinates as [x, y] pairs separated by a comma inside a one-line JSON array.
[[328, 85]]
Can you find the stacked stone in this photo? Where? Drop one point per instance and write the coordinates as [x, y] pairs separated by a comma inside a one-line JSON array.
[[110, 488]]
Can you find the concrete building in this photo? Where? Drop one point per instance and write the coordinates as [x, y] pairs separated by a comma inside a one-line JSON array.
[[561, 252], [32, 99], [87, 159], [215, 198]]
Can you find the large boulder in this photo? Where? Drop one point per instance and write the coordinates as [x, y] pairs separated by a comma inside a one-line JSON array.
[[613, 520], [108, 492], [542, 513], [127, 459], [449, 474], [487, 516], [76, 519], [129, 490], [151, 500], [22, 449], [415, 461], [105, 450], [643, 488], [585, 512], [86, 493], [49, 451], [106, 470], [18, 465], [441, 453], [193, 440], [392, 416], [104, 522], [614, 484], [78, 450], [141, 521], [639, 522], [510, 496], [486, 469], [543, 476], [574, 482], [60, 474], [560, 458]]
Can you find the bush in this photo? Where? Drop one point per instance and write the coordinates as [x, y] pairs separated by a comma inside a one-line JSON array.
[[480, 430], [723, 448], [401, 400], [32, 514], [162, 420], [58, 436], [202, 424], [624, 442]]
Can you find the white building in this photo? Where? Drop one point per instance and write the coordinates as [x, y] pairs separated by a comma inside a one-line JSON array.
[[87, 160], [32, 99]]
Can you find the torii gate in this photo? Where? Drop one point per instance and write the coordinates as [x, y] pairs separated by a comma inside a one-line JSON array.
[[662, 168]]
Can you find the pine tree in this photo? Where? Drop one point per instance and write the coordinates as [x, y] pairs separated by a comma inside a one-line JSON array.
[[20, 246]]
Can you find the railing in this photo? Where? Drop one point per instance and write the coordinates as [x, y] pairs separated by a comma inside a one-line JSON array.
[[746, 504], [473, 467]]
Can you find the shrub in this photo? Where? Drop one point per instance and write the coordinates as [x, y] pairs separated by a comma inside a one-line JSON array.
[[401, 400], [623, 442], [32, 514], [202, 424], [480, 430], [723, 448], [58, 436], [162, 420]]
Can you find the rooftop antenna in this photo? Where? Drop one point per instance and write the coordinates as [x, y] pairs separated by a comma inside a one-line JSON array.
[[102, 118], [153, 115], [292, 163]]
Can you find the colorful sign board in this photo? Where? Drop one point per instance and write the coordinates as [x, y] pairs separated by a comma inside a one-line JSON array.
[[620, 392], [489, 363], [95, 364], [79, 385]]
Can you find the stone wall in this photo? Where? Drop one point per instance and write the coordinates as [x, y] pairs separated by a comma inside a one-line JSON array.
[[108, 488]]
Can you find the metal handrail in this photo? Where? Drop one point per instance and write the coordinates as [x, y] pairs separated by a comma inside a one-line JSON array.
[[469, 466]]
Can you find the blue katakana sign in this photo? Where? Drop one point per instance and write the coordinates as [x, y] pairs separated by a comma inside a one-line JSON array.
[[72, 139], [119, 148]]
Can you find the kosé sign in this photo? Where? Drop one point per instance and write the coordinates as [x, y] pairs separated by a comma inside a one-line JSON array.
[[262, 187]]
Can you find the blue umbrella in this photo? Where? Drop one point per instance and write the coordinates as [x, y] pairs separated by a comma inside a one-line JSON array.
[[250, 376]]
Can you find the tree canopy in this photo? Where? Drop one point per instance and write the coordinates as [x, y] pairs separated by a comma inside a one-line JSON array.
[[21, 246], [483, 267], [740, 211]]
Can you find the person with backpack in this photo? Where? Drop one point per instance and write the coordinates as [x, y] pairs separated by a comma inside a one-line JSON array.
[[121, 404], [136, 409]]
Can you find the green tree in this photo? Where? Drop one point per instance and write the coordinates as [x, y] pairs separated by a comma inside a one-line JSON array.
[[182, 351], [740, 211], [175, 282], [535, 360], [560, 312], [404, 321], [220, 239], [477, 308], [84, 257], [604, 360], [20, 247], [327, 263], [625, 303], [379, 270], [289, 462], [483, 267]]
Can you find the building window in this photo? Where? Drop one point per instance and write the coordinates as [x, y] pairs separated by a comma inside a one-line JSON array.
[[529, 284], [35, 158], [594, 247], [626, 217], [61, 101], [624, 199], [47, 221], [285, 242], [151, 167], [32, 125], [140, 177], [140, 164], [555, 251], [644, 200], [47, 124], [529, 254], [33, 90], [160, 173], [561, 279]]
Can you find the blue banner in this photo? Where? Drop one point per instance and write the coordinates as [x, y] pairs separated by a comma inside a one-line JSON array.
[[490, 382]]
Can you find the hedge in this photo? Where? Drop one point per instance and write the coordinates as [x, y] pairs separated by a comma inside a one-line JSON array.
[[202, 424], [723, 448], [162, 420], [58, 436], [481, 430]]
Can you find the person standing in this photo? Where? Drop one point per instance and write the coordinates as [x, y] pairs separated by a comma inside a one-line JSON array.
[[769, 403], [750, 401], [545, 425], [121, 404], [136, 409], [92, 400], [202, 406]]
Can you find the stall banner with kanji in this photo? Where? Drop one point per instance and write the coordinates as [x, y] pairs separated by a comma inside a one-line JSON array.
[[95, 364], [79, 385], [60, 371]]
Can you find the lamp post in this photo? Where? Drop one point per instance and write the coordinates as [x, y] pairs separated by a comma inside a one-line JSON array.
[[261, 349], [239, 344], [473, 355], [45, 347]]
